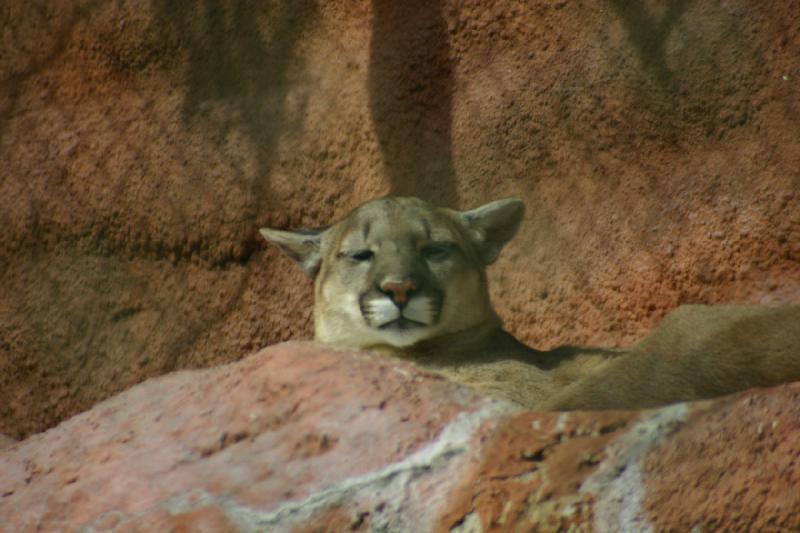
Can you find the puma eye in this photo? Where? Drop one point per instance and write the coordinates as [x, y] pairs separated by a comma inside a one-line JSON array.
[[437, 252], [361, 255]]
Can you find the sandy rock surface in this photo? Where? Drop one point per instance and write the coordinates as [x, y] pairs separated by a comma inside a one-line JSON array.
[[657, 148], [300, 438], [143, 144]]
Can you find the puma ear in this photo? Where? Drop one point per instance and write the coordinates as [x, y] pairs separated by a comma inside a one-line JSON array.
[[493, 225], [304, 246]]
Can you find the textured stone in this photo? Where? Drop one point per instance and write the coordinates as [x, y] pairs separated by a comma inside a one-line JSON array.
[[6, 441], [733, 465], [269, 441], [301, 438], [143, 144], [655, 144]]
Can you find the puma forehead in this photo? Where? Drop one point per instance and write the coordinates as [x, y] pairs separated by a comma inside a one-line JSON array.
[[398, 271]]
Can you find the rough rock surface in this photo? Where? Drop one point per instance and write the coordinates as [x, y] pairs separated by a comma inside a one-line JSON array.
[[657, 146], [300, 438]]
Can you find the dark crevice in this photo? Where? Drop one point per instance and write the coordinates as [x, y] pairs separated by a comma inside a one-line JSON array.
[[538, 455], [225, 440]]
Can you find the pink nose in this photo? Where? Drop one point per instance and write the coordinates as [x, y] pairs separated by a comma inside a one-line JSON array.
[[398, 291]]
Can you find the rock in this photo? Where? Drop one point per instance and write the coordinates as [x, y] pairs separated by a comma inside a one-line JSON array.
[[144, 144], [6, 441], [299, 437], [264, 443]]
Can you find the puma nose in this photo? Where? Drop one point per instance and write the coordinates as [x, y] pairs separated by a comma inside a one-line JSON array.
[[398, 291]]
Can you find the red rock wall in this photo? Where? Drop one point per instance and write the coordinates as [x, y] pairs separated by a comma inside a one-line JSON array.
[[143, 144]]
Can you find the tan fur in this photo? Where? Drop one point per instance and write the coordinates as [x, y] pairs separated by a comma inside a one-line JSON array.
[[696, 352]]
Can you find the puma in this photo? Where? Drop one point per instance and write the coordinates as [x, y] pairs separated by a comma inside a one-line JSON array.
[[406, 278]]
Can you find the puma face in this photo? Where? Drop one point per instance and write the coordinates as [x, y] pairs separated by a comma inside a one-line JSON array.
[[399, 271]]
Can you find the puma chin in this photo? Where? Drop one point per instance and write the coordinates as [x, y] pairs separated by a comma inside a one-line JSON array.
[[376, 320], [400, 271]]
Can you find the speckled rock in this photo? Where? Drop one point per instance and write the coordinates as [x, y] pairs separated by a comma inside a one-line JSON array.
[[143, 144], [262, 444], [301, 438]]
